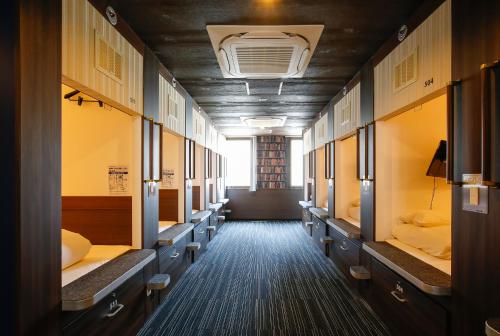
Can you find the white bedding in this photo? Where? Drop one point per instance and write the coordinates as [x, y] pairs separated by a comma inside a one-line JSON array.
[[194, 211], [441, 264], [97, 256], [353, 221], [163, 225]]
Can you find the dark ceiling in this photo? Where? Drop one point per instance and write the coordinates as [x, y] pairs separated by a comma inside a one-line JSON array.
[[176, 32]]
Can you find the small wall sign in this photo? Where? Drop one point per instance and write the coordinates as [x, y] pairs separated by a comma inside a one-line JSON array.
[[118, 179]]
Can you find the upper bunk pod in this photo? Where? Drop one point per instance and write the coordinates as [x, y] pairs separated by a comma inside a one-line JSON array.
[[413, 118], [347, 153], [171, 193], [323, 135]]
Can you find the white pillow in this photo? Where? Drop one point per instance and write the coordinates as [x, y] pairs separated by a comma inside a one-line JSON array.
[[354, 213], [435, 241], [429, 218], [74, 248]]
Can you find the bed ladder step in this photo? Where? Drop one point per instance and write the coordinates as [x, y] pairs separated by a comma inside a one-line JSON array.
[[360, 273], [326, 240], [158, 282], [193, 247]]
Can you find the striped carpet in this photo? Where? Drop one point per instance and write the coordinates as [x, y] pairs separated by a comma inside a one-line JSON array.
[[262, 278]]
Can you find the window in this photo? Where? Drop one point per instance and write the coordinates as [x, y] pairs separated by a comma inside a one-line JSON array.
[[239, 162], [297, 162]]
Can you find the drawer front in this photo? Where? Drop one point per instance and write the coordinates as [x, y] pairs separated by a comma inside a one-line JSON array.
[[344, 249], [200, 234], [96, 320], [214, 220], [171, 256], [319, 230], [200, 231], [404, 308]]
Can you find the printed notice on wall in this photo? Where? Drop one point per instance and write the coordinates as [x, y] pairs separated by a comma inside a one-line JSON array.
[[167, 179], [118, 179]]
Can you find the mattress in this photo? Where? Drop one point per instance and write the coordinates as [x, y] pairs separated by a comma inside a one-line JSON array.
[[441, 264], [97, 256], [194, 211], [352, 221], [163, 225]]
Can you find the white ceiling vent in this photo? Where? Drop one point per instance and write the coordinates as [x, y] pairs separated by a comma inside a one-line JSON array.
[[264, 51], [264, 122]]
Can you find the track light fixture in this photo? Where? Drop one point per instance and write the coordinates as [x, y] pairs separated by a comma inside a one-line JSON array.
[[80, 99]]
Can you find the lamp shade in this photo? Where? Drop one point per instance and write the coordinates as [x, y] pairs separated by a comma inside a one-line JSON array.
[[437, 168]]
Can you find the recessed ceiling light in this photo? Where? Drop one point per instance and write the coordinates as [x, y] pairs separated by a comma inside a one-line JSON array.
[[262, 99], [247, 86], [279, 90]]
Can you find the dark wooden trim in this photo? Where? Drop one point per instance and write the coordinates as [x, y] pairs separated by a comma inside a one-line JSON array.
[[30, 134], [151, 111], [104, 220], [122, 26]]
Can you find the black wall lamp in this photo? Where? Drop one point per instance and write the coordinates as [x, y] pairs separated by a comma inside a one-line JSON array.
[[80, 99]]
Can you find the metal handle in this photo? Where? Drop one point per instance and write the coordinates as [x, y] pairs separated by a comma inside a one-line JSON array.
[[326, 149], [450, 144], [485, 122], [398, 297], [343, 246], [486, 118], [201, 231], [118, 308], [175, 255]]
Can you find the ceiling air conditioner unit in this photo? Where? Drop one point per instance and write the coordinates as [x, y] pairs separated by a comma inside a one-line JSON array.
[[263, 122], [264, 51]]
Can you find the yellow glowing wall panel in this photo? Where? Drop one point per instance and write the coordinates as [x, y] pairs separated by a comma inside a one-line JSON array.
[[346, 184], [432, 43], [347, 113], [93, 139], [173, 164], [405, 146], [82, 26], [321, 182]]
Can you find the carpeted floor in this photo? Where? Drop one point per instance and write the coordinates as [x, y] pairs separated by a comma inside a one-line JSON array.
[[262, 278]]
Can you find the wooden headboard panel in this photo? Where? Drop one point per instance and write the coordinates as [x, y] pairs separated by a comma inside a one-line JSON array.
[[104, 220], [196, 197], [169, 205]]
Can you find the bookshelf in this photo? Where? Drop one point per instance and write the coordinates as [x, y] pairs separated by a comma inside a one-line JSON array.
[[272, 168]]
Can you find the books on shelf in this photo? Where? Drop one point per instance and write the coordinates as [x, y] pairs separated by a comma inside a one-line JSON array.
[[271, 185], [271, 162], [271, 154]]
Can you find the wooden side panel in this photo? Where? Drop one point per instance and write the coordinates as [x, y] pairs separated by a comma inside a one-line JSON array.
[[347, 113], [151, 110], [265, 204], [475, 237], [104, 220], [82, 28], [172, 107], [431, 42], [168, 205], [30, 133]]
